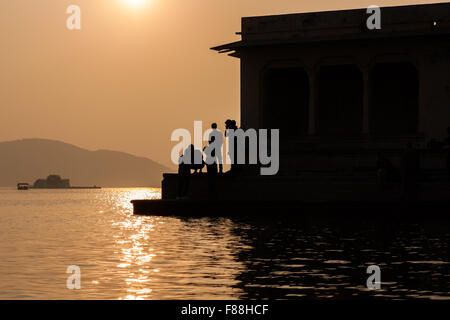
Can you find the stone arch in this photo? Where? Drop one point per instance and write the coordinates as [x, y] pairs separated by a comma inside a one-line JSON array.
[[340, 100], [285, 98]]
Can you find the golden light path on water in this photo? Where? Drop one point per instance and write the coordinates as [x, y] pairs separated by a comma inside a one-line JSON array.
[[182, 256]]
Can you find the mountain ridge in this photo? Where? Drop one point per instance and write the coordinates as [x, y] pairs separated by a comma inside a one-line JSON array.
[[26, 160]]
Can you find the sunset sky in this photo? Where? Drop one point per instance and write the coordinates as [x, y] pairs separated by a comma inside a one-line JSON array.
[[136, 71]]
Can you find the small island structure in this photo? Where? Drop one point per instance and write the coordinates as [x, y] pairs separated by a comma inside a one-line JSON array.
[[53, 181], [348, 101]]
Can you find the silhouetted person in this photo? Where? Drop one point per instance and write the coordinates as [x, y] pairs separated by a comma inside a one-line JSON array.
[[211, 169], [184, 177], [217, 137], [410, 172], [230, 128], [194, 158]]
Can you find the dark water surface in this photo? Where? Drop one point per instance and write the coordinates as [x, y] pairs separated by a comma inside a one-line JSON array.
[[122, 256]]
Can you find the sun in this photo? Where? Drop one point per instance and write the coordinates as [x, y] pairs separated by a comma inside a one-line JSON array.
[[135, 3]]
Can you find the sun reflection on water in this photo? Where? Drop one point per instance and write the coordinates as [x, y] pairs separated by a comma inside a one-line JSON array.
[[166, 254]]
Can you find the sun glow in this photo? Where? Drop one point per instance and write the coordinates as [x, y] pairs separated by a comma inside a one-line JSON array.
[[135, 3]]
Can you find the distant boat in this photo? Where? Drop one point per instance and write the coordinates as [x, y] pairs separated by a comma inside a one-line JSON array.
[[23, 186]]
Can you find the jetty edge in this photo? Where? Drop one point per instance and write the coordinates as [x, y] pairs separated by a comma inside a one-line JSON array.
[[291, 209]]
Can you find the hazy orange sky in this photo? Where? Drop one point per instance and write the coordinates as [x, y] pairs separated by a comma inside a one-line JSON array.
[[132, 74]]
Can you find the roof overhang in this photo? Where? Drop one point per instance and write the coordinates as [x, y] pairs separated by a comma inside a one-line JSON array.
[[432, 20]]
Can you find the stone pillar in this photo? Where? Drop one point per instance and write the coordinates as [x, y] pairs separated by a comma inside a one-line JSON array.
[[312, 103], [366, 102]]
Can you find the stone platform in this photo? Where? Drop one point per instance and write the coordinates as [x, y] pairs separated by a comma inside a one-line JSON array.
[[293, 209], [309, 193]]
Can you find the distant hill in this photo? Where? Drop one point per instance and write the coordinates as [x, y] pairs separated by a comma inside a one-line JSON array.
[[29, 159]]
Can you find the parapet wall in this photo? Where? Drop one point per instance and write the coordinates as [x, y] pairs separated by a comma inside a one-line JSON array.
[[416, 18]]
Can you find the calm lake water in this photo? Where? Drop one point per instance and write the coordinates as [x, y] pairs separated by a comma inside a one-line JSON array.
[[122, 256]]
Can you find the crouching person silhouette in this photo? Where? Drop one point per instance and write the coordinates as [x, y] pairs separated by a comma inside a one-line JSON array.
[[194, 158]]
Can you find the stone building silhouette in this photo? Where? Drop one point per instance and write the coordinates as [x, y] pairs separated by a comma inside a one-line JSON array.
[[339, 92]]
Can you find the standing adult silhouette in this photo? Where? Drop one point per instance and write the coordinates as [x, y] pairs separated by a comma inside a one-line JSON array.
[[230, 128], [217, 137]]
